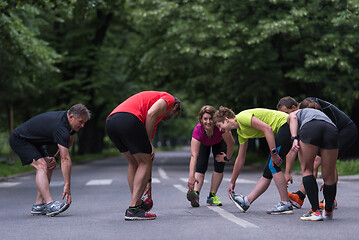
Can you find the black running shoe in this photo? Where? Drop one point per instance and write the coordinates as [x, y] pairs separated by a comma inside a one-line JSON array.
[[138, 214]]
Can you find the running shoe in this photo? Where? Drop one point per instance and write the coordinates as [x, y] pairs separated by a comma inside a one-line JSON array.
[[239, 201], [312, 216], [38, 209], [322, 204], [54, 208], [214, 200], [138, 214], [281, 208], [147, 204], [295, 200], [327, 215], [193, 197]]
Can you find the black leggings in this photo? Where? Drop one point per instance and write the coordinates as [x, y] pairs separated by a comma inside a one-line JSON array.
[[283, 143], [203, 156]]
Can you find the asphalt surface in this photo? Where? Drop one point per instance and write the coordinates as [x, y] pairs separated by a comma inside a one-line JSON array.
[[101, 196]]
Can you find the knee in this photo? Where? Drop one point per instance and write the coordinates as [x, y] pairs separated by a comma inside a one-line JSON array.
[[40, 165]]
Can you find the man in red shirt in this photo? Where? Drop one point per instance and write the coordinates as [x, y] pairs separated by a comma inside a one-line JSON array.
[[131, 126]]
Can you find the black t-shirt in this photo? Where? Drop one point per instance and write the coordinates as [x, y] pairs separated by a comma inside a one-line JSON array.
[[339, 118], [46, 128]]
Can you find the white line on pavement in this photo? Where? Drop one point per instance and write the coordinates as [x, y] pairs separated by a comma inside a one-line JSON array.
[[162, 173], [56, 183], [240, 180], [181, 188], [156, 180], [99, 182], [8, 184], [232, 218], [186, 180]]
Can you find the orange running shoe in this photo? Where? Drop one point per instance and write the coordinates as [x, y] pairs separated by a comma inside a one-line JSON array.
[[295, 200]]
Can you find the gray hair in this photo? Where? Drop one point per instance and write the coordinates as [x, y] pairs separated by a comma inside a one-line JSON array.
[[79, 110]]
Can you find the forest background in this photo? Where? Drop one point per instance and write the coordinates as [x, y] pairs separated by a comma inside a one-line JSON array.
[[240, 54]]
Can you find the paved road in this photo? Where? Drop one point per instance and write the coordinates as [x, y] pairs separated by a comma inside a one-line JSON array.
[[101, 196]]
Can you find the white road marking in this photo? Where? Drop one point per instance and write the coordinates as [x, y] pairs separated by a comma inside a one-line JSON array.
[[99, 182], [162, 173], [181, 188], [222, 212], [240, 180], [8, 184], [56, 183], [232, 218], [156, 180], [186, 180]]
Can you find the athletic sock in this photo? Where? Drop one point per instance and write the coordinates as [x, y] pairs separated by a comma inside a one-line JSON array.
[[329, 192], [211, 194], [301, 195], [134, 208], [246, 201], [311, 187]]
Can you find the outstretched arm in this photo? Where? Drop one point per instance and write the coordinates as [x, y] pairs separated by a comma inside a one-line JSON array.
[[156, 110], [195, 146], [66, 166], [238, 165], [293, 126]]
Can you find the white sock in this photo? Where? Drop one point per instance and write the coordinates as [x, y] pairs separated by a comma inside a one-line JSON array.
[[246, 201], [285, 203]]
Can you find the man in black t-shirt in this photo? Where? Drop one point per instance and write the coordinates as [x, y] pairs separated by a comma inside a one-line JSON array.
[[29, 141]]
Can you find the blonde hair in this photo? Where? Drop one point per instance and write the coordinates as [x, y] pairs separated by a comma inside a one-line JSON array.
[[223, 112]]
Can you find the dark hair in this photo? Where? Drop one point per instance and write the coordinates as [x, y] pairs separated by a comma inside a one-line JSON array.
[[205, 109], [288, 102], [309, 103], [223, 112], [79, 110], [178, 103]]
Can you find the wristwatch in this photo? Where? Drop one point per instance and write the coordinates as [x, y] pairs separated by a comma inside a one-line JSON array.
[[274, 151], [295, 137]]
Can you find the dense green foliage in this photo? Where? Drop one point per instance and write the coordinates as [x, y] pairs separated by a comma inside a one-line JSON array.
[[243, 54]]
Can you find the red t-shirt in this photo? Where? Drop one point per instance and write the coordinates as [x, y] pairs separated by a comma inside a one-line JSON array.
[[140, 103]]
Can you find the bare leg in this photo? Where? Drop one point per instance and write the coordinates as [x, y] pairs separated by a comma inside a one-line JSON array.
[[259, 189], [132, 168], [141, 177], [42, 181], [329, 172], [200, 178], [307, 154], [317, 163], [50, 169], [281, 184], [216, 181]]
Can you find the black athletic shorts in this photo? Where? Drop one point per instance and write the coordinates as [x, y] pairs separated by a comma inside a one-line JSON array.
[[283, 144], [203, 156], [319, 133], [128, 133], [27, 151]]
